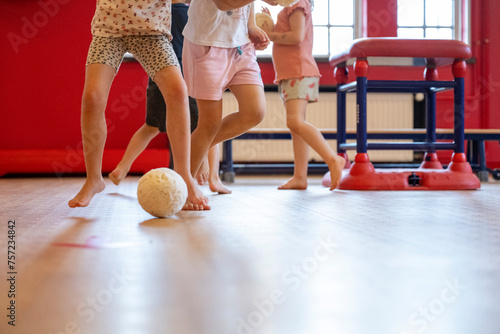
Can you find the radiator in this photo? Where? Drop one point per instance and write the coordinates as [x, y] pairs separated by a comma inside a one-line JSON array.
[[384, 111]]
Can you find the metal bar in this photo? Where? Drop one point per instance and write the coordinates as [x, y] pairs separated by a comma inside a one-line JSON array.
[[227, 156], [341, 119], [410, 84], [361, 135], [313, 168], [430, 119], [399, 86], [418, 146], [459, 119], [348, 87], [481, 155], [397, 89], [385, 135]]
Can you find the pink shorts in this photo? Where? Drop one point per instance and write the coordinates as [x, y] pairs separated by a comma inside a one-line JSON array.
[[210, 70]]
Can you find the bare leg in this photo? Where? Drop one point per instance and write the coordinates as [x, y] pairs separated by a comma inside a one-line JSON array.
[[336, 166], [173, 89], [209, 122], [300, 164], [252, 106], [296, 110], [213, 180], [137, 144], [203, 173], [211, 130], [98, 79]]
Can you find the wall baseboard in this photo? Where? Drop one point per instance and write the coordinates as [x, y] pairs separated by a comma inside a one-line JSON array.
[[60, 162]]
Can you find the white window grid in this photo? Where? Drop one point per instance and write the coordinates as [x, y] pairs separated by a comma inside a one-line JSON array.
[[428, 19], [330, 35], [327, 42]]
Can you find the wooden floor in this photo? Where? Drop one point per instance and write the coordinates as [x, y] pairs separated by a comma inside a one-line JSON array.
[[261, 261]]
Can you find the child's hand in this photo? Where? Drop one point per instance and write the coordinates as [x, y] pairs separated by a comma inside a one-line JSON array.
[[258, 37]]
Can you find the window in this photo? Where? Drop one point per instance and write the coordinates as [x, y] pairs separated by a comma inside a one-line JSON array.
[[335, 25], [428, 19]]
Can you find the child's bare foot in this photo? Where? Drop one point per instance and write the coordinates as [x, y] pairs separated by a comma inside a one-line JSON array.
[[196, 201], [202, 175], [336, 166], [216, 186], [294, 183], [117, 175], [86, 194]]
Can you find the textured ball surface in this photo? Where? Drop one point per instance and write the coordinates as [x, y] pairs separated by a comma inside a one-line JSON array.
[[287, 3], [162, 192], [260, 18]]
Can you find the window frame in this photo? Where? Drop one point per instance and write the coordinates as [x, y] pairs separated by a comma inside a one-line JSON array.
[[358, 29], [459, 26]]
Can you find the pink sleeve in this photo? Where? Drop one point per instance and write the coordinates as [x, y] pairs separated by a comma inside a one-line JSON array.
[[302, 5]]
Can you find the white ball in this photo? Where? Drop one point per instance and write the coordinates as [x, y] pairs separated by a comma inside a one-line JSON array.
[[260, 18], [287, 3], [162, 192]]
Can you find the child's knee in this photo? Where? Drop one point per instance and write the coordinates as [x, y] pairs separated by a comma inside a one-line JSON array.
[[94, 98], [171, 83], [293, 124], [254, 117], [175, 95], [208, 127], [259, 115]]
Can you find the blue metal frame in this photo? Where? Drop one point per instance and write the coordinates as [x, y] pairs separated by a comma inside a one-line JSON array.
[[361, 135], [341, 119], [428, 139], [475, 151], [400, 86], [375, 136], [430, 119], [362, 86], [459, 115], [416, 146]]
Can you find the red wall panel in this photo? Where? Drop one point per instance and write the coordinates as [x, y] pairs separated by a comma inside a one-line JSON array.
[[44, 46], [488, 82], [382, 18]]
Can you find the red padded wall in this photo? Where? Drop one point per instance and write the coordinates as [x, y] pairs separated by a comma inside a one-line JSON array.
[[44, 46]]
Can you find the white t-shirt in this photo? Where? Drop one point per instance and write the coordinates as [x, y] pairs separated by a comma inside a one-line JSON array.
[[114, 18], [209, 26]]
